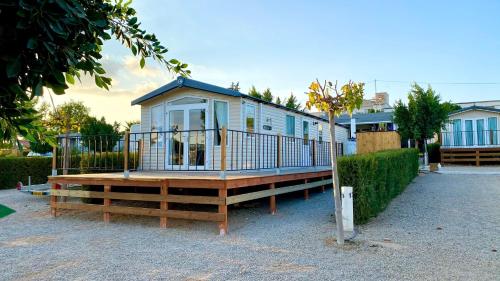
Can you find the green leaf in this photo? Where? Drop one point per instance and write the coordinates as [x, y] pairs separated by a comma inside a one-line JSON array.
[[38, 90], [142, 62], [14, 67], [132, 21], [174, 61], [70, 79], [32, 43], [134, 50]]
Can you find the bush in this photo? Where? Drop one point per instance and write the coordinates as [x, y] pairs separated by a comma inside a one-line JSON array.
[[377, 178], [15, 169], [434, 152]]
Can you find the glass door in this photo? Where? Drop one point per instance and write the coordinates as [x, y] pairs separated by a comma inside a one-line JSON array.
[[175, 157], [187, 137], [196, 138]]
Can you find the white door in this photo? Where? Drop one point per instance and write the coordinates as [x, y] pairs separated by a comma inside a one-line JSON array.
[[187, 137]]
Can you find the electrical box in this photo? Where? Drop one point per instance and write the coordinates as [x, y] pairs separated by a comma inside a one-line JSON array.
[[347, 208]]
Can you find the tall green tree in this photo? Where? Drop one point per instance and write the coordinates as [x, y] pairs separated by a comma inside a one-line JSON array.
[[97, 135], [267, 95], [328, 98], [292, 102], [423, 117], [69, 117], [47, 44], [254, 93]]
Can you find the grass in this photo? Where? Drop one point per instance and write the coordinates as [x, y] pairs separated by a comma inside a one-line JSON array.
[[5, 211]]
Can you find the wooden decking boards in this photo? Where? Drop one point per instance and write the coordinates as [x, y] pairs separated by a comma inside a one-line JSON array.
[[205, 188]]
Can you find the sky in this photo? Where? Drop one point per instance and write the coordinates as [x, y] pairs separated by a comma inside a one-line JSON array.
[[284, 45]]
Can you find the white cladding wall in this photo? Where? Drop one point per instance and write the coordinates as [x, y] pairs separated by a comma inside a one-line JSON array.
[[251, 150]]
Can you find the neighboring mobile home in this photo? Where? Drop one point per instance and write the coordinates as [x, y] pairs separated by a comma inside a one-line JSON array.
[[181, 126], [472, 136]]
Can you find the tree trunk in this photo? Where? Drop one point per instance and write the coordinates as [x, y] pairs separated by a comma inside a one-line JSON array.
[[336, 183], [426, 155]]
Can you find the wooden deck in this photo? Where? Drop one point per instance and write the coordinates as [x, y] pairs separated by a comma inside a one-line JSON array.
[[470, 155], [174, 191]]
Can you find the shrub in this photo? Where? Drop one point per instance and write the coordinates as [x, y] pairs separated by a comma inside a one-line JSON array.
[[434, 152], [15, 169], [377, 178]]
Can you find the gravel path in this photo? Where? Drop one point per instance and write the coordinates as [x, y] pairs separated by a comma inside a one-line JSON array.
[[443, 227]]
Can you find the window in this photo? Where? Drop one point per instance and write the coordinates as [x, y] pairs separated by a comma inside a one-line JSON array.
[[469, 134], [480, 131], [250, 118], [290, 126], [320, 132], [156, 124], [305, 132], [493, 127], [187, 100], [220, 119]]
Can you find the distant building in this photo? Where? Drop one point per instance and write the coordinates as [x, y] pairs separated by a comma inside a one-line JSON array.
[[379, 103]]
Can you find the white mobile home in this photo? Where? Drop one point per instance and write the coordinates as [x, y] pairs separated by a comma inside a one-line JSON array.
[[182, 121]]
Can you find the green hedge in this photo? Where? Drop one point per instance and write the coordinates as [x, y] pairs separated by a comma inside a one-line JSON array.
[[377, 178], [15, 169]]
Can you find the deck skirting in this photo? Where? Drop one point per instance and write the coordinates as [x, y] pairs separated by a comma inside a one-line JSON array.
[[470, 155]]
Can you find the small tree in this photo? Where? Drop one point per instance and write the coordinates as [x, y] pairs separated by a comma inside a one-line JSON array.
[[267, 95], [424, 116], [69, 117], [292, 102], [328, 98], [98, 135], [278, 101], [254, 93]]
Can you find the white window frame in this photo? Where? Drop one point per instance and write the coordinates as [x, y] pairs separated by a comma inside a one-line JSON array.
[[162, 123], [294, 125], [245, 119]]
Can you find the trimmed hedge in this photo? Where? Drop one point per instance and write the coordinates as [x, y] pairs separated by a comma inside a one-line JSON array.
[[15, 169], [377, 178]]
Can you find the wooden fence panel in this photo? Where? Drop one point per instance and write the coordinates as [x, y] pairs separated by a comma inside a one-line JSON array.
[[367, 142]]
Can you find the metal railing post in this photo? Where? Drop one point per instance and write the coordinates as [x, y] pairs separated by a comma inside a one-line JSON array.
[[279, 146], [126, 171]]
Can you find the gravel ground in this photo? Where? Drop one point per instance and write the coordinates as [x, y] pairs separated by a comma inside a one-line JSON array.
[[443, 227]]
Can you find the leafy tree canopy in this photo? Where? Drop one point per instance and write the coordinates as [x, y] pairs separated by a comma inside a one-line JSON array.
[[278, 101], [98, 135], [267, 95], [254, 93], [292, 102], [424, 115], [50, 43], [69, 116]]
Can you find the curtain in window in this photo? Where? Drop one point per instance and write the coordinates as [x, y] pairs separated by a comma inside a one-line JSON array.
[[220, 117], [480, 131], [469, 134], [493, 133], [250, 118], [457, 132]]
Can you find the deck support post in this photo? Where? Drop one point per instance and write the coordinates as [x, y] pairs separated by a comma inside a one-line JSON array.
[[306, 191], [223, 225], [272, 200], [126, 145], [223, 153], [107, 203], [53, 202], [477, 158], [164, 204]]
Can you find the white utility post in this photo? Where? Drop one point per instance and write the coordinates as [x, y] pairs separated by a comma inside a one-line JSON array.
[[347, 208], [353, 128]]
